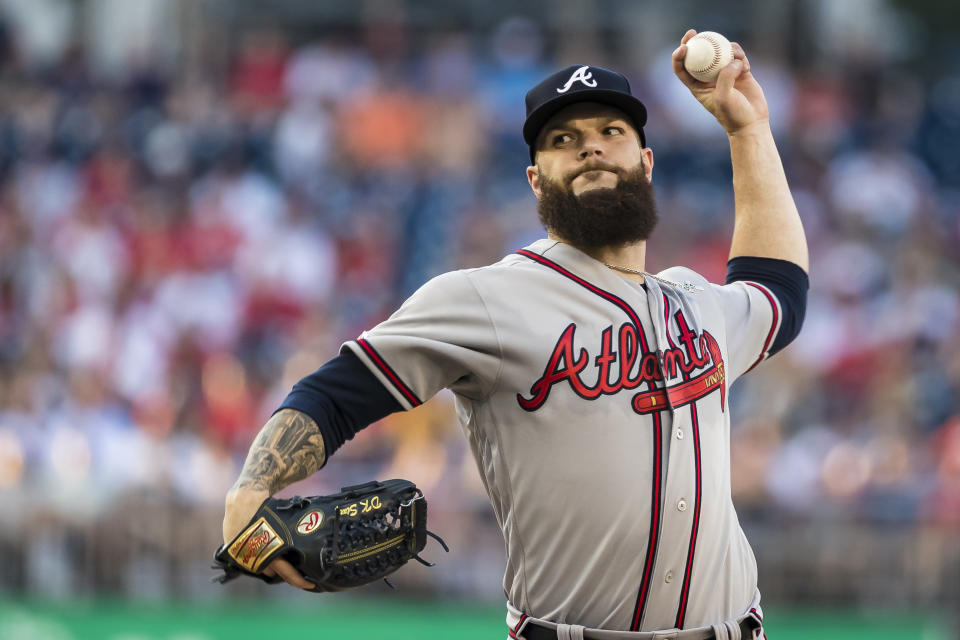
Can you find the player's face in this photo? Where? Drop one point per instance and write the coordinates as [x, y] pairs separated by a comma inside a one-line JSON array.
[[588, 146], [592, 178]]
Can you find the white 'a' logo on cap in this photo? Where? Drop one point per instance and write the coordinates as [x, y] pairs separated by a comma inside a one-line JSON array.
[[580, 75]]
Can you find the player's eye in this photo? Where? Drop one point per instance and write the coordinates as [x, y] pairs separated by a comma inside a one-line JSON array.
[[562, 138], [614, 131]]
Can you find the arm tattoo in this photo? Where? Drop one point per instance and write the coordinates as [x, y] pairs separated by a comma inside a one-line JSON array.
[[287, 449]]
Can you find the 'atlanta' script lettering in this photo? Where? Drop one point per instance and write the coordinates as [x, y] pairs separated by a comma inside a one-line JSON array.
[[620, 366]]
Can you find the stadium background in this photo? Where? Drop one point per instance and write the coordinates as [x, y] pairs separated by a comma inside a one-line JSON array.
[[201, 199]]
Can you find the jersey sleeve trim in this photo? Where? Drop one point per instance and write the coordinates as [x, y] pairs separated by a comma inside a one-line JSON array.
[[343, 396], [774, 325], [787, 281], [387, 371]]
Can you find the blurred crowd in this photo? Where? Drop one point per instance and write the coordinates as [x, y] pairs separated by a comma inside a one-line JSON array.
[[177, 249]]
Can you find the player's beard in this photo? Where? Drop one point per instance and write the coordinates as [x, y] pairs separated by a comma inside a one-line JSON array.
[[609, 217]]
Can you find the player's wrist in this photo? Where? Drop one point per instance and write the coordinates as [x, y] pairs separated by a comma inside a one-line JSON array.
[[239, 498], [240, 505], [759, 128]]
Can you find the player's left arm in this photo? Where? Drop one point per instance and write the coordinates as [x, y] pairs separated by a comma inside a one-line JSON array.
[[766, 224]]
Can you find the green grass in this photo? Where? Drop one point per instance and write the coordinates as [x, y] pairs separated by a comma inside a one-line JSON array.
[[853, 625], [390, 618]]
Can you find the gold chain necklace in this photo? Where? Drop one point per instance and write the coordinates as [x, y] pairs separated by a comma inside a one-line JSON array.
[[625, 269], [685, 285]]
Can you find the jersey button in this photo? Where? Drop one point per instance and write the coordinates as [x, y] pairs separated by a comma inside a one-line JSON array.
[[668, 577], [682, 505], [679, 434]]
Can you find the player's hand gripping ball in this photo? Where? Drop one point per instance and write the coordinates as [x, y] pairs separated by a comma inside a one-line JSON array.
[[337, 542], [707, 53]]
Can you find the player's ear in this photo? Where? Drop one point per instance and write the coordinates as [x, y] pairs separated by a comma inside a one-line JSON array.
[[533, 177], [646, 159]]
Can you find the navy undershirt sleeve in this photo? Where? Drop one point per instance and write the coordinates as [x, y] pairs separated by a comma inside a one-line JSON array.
[[342, 397], [788, 281]]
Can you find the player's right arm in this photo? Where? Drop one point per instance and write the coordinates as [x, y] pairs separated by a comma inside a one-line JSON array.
[[766, 222], [764, 300]]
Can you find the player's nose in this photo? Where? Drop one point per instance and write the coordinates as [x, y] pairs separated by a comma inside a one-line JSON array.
[[592, 146], [590, 149]]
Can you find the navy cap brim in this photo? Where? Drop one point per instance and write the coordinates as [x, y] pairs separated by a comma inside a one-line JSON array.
[[632, 107]]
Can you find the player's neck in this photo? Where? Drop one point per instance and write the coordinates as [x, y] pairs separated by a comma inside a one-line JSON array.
[[630, 256]]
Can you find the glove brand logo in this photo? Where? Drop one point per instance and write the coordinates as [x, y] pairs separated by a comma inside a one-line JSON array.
[[310, 522], [580, 75], [252, 549]]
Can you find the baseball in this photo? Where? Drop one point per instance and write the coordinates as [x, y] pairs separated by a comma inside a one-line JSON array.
[[707, 53]]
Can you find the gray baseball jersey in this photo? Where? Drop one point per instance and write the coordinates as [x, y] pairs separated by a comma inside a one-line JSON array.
[[596, 409]]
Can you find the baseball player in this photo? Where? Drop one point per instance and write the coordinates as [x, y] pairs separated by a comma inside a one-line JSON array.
[[594, 395]]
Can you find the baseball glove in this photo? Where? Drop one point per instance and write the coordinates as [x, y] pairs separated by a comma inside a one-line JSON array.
[[340, 541]]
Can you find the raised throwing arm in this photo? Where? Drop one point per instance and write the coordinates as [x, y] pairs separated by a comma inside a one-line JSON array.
[[766, 224]]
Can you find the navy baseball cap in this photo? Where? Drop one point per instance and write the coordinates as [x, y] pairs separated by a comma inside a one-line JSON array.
[[580, 83]]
